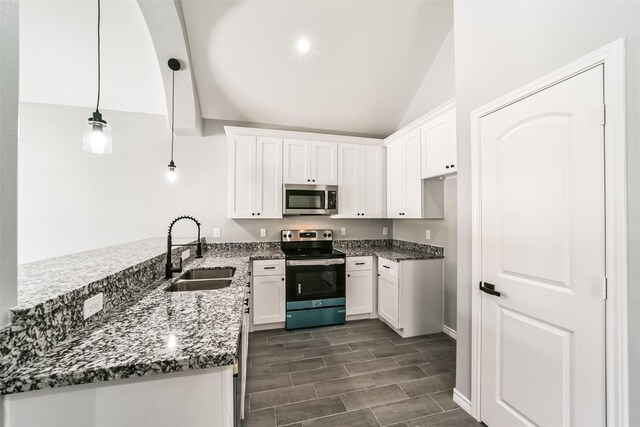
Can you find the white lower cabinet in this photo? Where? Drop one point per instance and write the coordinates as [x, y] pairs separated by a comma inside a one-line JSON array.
[[410, 295], [359, 285], [269, 292]]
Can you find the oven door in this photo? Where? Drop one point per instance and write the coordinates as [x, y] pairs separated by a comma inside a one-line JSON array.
[[313, 280]]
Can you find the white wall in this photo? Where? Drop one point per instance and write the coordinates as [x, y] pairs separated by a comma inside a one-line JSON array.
[[72, 201], [500, 46], [9, 75]]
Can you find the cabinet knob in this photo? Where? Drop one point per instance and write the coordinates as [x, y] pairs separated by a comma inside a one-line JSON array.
[[282, 279], [453, 166], [252, 214], [348, 275], [446, 167], [313, 180], [308, 180], [258, 213], [246, 310]]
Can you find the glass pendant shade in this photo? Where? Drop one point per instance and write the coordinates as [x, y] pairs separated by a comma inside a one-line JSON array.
[[171, 176], [97, 137]]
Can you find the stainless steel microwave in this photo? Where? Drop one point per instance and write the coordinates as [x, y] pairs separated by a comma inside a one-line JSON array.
[[310, 199]]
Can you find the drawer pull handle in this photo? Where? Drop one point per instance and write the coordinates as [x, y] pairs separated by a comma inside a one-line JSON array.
[[360, 263], [386, 266], [269, 268]]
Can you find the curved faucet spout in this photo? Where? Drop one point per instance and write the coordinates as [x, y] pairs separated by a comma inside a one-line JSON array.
[[170, 269]]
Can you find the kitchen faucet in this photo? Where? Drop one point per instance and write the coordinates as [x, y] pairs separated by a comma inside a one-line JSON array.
[[170, 269]]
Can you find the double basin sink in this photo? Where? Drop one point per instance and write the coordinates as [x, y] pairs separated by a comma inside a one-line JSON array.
[[203, 279]]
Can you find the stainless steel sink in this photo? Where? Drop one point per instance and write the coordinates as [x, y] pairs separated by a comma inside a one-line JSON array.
[[198, 285], [208, 273]]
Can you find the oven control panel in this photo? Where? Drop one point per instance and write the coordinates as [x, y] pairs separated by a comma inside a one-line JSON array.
[[306, 235]]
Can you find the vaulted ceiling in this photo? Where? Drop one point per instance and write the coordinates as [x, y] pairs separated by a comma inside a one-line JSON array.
[[367, 58]]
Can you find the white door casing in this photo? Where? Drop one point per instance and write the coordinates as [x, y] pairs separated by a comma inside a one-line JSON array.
[[543, 247]]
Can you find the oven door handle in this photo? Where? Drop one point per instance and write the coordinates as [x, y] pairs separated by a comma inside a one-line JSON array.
[[314, 262]]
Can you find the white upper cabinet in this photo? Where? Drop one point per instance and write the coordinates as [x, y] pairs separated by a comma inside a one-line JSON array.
[[255, 177], [439, 145], [310, 162], [404, 180], [360, 181]]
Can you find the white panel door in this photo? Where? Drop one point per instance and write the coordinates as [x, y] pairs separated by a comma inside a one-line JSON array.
[[388, 299], [348, 180], [438, 145], [413, 170], [297, 162], [268, 299], [543, 338], [269, 178], [359, 292], [371, 182], [324, 163], [396, 180], [242, 171]]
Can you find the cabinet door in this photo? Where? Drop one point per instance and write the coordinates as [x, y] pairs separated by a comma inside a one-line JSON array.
[[438, 145], [396, 185], [371, 188], [359, 292], [453, 142], [388, 293], [268, 299], [297, 162], [413, 175], [242, 170], [324, 163], [268, 186], [348, 180]]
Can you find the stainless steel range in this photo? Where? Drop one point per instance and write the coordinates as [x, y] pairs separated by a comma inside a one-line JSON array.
[[315, 279]]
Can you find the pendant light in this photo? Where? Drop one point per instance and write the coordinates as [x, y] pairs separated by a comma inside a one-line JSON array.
[[171, 175], [97, 133]]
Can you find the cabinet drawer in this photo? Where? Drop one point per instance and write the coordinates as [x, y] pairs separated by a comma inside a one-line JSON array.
[[388, 267], [358, 263], [273, 267]]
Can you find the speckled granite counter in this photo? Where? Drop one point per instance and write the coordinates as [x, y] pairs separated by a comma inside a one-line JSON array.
[[393, 250], [163, 332]]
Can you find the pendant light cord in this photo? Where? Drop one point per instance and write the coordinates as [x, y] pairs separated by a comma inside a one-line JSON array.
[[173, 109], [98, 100]]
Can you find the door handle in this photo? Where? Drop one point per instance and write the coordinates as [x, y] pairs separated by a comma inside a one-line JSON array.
[[489, 289]]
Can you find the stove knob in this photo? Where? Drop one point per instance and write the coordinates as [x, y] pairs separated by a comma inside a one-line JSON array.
[[329, 235], [290, 236], [325, 234]]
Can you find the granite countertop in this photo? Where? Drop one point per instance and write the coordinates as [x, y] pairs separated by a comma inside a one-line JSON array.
[[391, 253], [163, 332]]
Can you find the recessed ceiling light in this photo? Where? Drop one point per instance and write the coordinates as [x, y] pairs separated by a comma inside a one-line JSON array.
[[304, 45]]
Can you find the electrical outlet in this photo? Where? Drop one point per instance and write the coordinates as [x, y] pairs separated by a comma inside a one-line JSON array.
[[343, 231], [186, 254], [216, 232], [385, 231], [427, 234], [263, 232], [93, 305]]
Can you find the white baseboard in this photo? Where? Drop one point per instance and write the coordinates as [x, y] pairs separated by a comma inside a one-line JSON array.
[[447, 330], [462, 401]]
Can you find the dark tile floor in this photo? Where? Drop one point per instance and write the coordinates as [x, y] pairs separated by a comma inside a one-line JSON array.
[[358, 374]]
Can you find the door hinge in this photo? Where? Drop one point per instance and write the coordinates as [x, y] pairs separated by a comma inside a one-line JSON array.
[[603, 114]]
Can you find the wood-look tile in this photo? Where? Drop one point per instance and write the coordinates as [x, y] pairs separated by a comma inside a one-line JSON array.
[[343, 385], [270, 333], [397, 375], [370, 366], [268, 383], [393, 350], [311, 409], [405, 410], [277, 357], [301, 345], [455, 418], [297, 366], [376, 327], [258, 371], [283, 339], [346, 339], [427, 385], [418, 358], [439, 367], [372, 397], [321, 374], [444, 399], [439, 344], [368, 345], [448, 353], [385, 333], [267, 349], [326, 333], [281, 396], [325, 351], [354, 356], [361, 418], [255, 341], [260, 418]]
